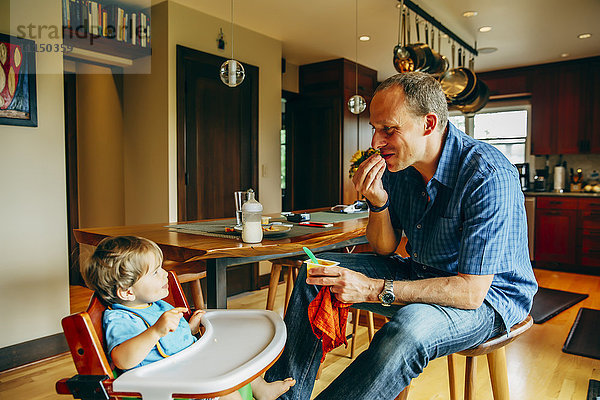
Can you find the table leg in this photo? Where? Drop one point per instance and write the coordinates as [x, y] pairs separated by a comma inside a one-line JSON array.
[[216, 283]]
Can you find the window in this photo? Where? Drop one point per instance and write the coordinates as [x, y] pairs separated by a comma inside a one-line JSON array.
[[504, 127], [282, 143]]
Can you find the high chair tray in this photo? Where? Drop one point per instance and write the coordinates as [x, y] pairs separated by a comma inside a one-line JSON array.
[[236, 346]]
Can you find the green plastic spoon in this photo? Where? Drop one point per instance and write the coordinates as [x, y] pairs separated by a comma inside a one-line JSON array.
[[310, 254]]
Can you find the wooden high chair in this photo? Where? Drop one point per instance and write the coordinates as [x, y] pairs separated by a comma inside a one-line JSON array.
[[251, 339]]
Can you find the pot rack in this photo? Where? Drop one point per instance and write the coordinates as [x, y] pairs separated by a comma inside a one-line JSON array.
[[424, 14]]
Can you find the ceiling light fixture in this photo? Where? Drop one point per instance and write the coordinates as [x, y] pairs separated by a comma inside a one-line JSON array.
[[364, 38], [487, 50], [232, 71], [469, 14], [564, 55], [485, 29], [584, 35], [356, 103]]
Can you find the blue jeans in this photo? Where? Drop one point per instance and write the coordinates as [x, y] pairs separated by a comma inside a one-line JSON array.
[[400, 350]]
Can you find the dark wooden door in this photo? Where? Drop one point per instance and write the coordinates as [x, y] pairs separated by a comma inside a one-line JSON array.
[[555, 235], [217, 134], [316, 142], [570, 104]]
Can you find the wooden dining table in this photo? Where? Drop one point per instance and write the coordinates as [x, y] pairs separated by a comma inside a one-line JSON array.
[[219, 253]]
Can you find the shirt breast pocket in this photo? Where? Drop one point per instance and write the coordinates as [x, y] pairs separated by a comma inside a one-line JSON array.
[[446, 239]]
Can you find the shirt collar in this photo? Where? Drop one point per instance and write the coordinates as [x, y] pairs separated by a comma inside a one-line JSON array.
[[448, 165]]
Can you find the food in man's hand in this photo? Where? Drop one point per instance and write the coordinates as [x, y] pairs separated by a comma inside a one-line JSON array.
[[359, 157]]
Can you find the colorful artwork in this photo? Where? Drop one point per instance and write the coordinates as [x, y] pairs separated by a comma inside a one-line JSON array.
[[17, 82]]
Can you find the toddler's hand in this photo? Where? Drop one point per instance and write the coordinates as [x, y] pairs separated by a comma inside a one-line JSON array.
[[195, 320], [169, 321]]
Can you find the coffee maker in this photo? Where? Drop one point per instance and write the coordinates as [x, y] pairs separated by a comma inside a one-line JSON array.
[[523, 175]]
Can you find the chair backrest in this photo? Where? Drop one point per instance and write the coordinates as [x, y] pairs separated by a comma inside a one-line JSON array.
[[85, 337]]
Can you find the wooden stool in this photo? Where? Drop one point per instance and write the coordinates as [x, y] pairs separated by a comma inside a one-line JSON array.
[[496, 357], [293, 264], [189, 272]]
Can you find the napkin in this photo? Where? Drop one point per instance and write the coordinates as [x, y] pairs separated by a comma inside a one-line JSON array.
[[328, 317]]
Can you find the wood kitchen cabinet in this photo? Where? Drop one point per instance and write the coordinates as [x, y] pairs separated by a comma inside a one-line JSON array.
[[560, 109], [567, 232], [555, 230], [324, 134], [594, 96]]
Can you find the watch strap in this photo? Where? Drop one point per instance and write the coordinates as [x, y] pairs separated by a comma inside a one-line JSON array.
[[378, 209]]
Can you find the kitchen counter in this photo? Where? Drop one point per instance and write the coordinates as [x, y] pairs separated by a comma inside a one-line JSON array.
[[564, 194]]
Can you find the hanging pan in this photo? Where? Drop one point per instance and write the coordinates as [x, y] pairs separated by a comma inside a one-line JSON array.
[[458, 83], [423, 56], [478, 98], [402, 57]]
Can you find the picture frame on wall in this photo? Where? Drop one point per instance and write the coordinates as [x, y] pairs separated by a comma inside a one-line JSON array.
[[18, 97]]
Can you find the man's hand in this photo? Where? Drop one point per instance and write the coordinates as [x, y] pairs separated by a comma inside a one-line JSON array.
[[367, 180], [195, 321], [169, 321], [348, 286]]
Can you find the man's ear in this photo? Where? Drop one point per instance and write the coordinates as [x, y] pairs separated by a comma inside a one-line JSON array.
[[431, 122], [125, 294]]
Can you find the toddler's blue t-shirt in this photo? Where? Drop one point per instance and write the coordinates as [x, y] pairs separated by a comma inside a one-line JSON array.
[[121, 323]]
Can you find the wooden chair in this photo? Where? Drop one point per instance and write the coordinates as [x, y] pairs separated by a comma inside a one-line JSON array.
[[96, 374], [496, 357]]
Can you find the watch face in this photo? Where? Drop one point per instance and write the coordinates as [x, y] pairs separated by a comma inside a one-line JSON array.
[[387, 298]]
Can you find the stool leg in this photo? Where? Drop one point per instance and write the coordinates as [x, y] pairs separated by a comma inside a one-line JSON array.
[[470, 374], [404, 393], [371, 325], [197, 296], [288, 288], [273, 282], [355, 317], [498, 375], [454, 393]]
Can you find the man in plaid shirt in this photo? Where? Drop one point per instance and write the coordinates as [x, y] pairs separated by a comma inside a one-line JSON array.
[[468, 276]]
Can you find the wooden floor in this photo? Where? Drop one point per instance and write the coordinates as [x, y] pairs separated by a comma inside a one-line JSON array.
[[537, 367]]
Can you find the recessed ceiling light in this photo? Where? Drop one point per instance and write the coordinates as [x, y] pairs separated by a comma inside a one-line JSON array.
[[485, 29], [364, 38], [563, 55], [584, 36], [469, 14], [487, 50]]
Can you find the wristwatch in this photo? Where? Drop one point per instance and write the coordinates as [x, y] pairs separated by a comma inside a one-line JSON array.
[[387, 296]]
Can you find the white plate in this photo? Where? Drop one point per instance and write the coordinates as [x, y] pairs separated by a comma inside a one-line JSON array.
[[271, 230]]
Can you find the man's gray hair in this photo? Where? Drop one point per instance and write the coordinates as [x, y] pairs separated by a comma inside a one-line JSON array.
[[423, 93]]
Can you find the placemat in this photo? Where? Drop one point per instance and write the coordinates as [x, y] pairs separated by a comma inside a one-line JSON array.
[[333, 217], [584, 337], [217, 229], [547, 303]]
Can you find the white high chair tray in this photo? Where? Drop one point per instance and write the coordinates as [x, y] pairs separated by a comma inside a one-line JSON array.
[[236, 345]]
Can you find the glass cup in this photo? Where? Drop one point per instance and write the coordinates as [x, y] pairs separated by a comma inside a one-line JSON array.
[[240, 199]]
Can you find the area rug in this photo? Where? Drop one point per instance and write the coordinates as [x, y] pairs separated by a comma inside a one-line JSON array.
[[584, 338], [549, 302]]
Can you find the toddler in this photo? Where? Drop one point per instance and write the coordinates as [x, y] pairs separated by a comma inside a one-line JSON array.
[[141, 328]]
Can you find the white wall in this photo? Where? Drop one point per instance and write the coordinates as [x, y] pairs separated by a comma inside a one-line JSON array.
[[34, 291]]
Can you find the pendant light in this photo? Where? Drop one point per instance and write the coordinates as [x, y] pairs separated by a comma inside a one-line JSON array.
[[357, 103], [232, 71]]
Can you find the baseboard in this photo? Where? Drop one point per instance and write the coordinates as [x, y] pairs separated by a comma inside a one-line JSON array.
[[33, 350]]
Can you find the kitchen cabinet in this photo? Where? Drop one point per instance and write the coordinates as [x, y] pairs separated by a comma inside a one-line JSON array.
[[567, 232], [594, 96], [324, 134], [589, 232], [555, 230], [562, 106]]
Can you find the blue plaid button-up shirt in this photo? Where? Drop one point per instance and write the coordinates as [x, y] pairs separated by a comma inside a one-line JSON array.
[[469, 218]]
